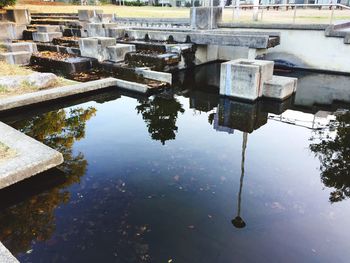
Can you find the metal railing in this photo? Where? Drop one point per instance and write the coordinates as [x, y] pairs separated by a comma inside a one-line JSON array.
[[259, 9]]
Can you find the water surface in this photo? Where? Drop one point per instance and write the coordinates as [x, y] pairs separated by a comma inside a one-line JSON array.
[[161, 178]]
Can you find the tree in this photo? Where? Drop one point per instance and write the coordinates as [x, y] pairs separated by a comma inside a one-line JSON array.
[[4, 3], [334, 155], [34, 219], [160, 115]]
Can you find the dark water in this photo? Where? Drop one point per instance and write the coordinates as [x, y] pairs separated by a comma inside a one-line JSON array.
[[160, 179]]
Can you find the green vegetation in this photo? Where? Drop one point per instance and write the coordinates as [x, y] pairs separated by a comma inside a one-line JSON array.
[[4, 3]]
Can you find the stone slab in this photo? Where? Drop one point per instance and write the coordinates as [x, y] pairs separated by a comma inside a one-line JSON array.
[[155, 75], [240, 80], [16, 58], [279, 87], [96, 47], [22, 46], [6, 256], [90, 15], [48, 28], [19, 16], [54, 93], [117, 53], [11, 31], [200, 17], [32, 157], [46, 37]]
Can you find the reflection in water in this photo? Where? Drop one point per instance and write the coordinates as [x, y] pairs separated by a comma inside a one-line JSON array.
[[238, 222], [33, 219], [160, 115], [234, 114], [333, 150]]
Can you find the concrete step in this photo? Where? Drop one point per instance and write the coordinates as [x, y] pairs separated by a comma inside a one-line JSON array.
[[279, 87], [48, 28], [46, 37], [117, 53], [16, 58], [21, 46]]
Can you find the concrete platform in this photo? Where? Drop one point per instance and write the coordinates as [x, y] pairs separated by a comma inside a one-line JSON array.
[[117, 53], [279, 87], [16, 58], [21, 46], [31, 157], [6, 256]]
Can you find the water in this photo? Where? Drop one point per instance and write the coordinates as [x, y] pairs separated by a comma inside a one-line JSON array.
[[161, 179]]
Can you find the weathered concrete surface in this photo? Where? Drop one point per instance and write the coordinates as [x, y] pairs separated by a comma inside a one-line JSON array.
[[11, 31], [96, 47], [90, 15], [201, 17], [18, 58], [32, 157], [309, 49], [255, 26], [155, 75], [48, 28], [19, 16], [240, 80], [21, 46], [207, 38], [46, 37], [54, 93], [279, 87], [6, 256], [117, 53]]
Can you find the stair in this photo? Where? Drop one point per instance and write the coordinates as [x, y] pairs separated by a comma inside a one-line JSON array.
[[18, 53], [17, 58]]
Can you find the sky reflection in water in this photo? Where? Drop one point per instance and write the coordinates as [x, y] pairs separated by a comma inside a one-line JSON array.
[[154, 179]]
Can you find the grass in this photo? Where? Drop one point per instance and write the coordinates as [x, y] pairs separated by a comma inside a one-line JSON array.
[[25, 87], [270, 16], [6, 152]]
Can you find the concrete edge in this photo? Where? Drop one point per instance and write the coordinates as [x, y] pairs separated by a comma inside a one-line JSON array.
[[66, 91], [6, 256], [31, 157], [320, 27]]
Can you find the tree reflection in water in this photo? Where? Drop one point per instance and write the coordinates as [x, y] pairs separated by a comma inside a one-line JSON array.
[[160, 115], [333, 150], [33, 219]]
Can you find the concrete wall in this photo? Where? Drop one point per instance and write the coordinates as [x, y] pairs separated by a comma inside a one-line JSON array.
[[310, 49]]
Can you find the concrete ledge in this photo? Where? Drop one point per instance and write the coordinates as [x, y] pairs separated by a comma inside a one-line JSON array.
[[132, 86], [6, 256], [320, 27], [55, 93], [32, 157], [155, 75]]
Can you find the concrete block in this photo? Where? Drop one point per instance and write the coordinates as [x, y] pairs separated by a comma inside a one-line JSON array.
[[48, 28], [32, 157], [54, 93], [115, 32], [279, 87], [200, 17], [11, 31], [155, 75], [46, 37], [22, 46], [95, 30], [241, 80], [249, 75], [117, 53], [90, 15], [19, 16], [16, 58], [6, 256], [96, 47]]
